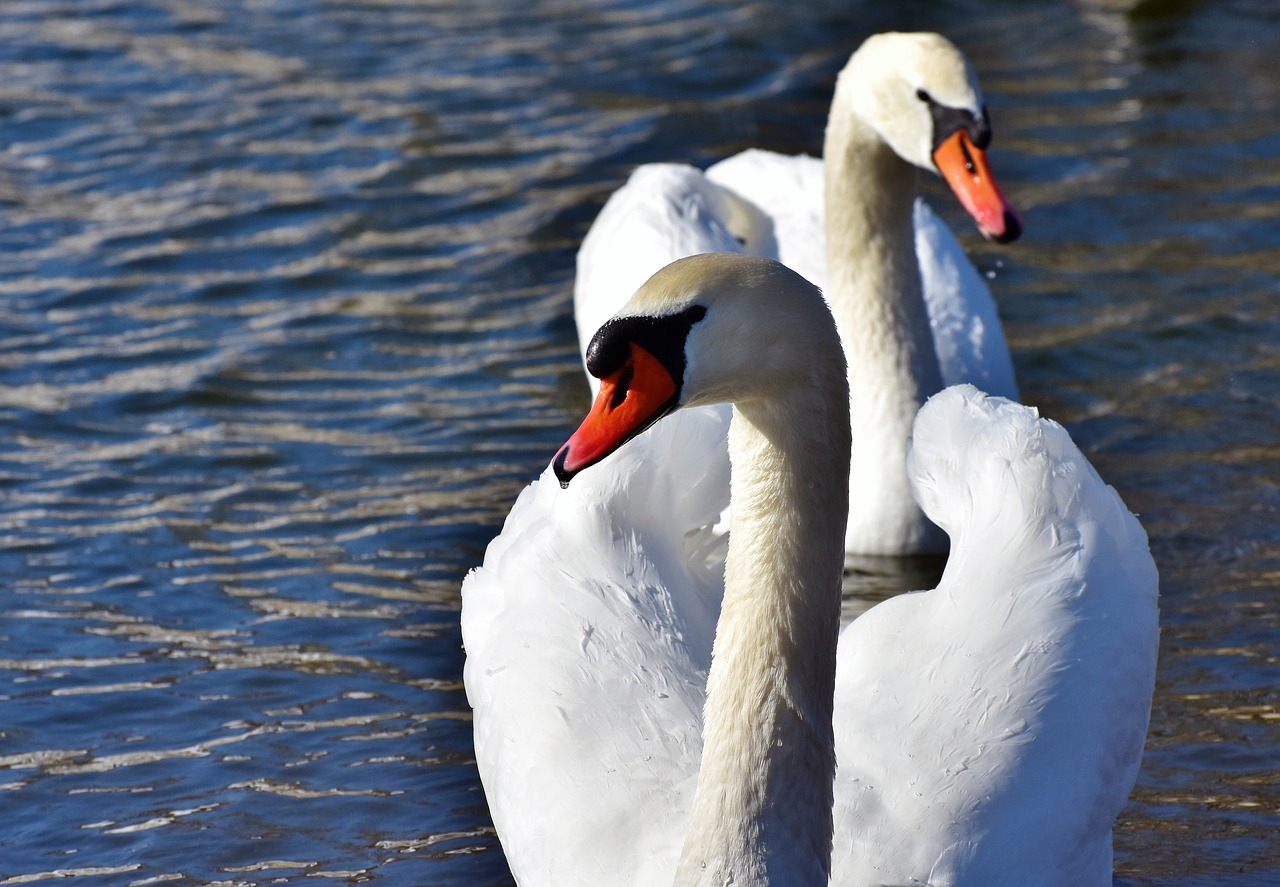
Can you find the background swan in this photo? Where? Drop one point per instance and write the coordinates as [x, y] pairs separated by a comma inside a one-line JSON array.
[[897, 280], [987, 732]]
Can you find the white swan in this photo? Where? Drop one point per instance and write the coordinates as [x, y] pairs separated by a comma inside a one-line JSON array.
[[987, 732], [913, 312]]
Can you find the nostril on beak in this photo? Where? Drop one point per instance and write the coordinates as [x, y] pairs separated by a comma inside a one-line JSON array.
[[624, 385]]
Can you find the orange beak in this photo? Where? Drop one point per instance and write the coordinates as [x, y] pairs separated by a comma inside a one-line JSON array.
[[631, 399], [964, 165]]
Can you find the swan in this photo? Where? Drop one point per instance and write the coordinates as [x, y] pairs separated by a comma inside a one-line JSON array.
[[913, 312], [987, 732]]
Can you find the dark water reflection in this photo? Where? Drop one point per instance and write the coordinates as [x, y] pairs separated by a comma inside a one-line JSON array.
[[284, 327]]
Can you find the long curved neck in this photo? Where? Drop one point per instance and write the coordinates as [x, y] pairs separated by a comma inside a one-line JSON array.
[[762, 810], [876, 296]]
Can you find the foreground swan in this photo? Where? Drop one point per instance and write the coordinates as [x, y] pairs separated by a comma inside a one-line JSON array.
[[913, 312], [987, 732]]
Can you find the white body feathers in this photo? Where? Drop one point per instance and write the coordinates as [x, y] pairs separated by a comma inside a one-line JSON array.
[[987, 732]]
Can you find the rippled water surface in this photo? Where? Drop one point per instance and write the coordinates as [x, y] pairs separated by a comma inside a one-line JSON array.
[[285, 326]]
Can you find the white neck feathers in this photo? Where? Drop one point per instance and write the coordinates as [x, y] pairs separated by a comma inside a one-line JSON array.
[[876, 297], [762, 812]]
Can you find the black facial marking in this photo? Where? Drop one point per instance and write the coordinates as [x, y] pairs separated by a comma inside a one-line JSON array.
[[947, 120], [663, 337]]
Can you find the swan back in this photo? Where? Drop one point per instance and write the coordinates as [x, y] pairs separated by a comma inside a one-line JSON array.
[[1009, 765], [788, 191]]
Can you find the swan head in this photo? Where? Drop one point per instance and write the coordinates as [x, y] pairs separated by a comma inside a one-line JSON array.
[[711, 328], [919, 94]]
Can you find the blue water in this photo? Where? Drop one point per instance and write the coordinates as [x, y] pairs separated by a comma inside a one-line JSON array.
[[285, 326]]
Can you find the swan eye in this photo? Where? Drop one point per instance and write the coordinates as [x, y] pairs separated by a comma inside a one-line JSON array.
[[948, 120], [624, 385]]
